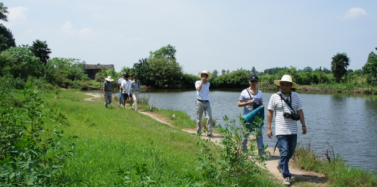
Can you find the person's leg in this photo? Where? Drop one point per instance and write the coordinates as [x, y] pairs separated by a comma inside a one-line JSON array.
[[283, 144], [105, 100], [124, 97], [208, 110], [136, 98], [199, 114], [131, 100], [260, 141], [246, 135], [292, 145], [120, 97], [110, 98]]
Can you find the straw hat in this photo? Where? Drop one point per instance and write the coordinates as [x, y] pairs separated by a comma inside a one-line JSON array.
[[109, 79], [286, 78], [204, 72]]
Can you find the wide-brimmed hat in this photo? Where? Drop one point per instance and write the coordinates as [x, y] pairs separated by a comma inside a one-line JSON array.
[[204, 72], [286, 78], [109, 79]]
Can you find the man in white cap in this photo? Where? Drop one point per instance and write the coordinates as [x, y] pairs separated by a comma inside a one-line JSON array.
[[202, 103], [288, 108], [107, 90]]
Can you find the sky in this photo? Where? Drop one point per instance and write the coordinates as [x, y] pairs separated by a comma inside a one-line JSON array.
[[208, 35]]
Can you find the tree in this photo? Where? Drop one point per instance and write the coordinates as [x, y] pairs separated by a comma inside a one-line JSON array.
[[326, 70], [223, 72], [25, 64], [215, 73], [339, 65], [308, 69], [227, 71], [8, 36], [370, 69], [3, 11], [41, 50], [253, 71], [167, 52]]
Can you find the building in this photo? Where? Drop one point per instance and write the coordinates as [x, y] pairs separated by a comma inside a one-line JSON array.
[[92, 69]]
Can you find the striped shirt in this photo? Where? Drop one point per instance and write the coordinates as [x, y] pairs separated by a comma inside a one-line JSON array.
[[284, 126]]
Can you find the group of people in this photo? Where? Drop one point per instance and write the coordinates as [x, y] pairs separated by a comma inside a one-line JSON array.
[[128, 90], [286, 105]]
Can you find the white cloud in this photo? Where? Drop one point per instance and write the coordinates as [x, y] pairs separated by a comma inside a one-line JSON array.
[[16, 16], [354, 13], [89, 35]]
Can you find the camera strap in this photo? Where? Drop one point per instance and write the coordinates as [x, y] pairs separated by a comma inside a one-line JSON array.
[[251, 98], [288, 103]]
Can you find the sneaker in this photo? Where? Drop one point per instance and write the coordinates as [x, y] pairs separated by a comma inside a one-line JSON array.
[[209, 134], [287, 181], [106, 105], [279, 168]]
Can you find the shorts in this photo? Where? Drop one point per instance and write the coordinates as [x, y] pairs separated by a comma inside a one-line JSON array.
[[125, 96]]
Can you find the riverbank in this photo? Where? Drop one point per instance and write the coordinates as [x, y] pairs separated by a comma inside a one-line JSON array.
[[119, 146]]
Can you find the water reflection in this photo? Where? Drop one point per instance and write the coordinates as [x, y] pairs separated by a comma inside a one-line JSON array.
[[345, 121]]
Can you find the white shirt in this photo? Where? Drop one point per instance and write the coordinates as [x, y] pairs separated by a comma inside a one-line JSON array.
[[127, 86], [120, 82], [203, 94], [245, 97], [284, 126]]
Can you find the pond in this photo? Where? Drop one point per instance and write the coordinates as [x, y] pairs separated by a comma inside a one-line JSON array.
[[348, 122]]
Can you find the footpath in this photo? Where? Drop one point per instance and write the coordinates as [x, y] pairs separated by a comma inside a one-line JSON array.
[[314, 179]]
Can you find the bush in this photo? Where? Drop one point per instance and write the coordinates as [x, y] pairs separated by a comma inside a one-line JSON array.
[[27, 135]]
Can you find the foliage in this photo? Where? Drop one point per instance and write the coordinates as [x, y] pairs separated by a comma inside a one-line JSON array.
[[334, 167], [339, 65], [308, 69], [41, 50], [25, 64], [253, 71], [273, 71], [215, 73], [6, 62], [8, 36], [64, 71], [28, 134], [235, 79], [229, 164], [3, 11], [166, 52], [370, 69]]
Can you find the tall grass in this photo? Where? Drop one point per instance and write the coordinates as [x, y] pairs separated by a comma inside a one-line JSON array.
[[333, 166]]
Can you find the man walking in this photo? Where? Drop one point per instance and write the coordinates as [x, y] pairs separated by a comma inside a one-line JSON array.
[[107, 90], [126, 90], [120, 80], [202, 103], [288, 108], [135, 89]]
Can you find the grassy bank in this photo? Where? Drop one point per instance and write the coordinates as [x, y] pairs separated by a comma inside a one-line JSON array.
[[332, 165], [344, 88], [119, 146]]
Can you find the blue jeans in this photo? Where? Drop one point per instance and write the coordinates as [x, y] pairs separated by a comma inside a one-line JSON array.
[[120, 96], [287, 145], [251, 128]]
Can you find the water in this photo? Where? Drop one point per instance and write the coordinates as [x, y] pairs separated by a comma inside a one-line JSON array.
[[348, 122]]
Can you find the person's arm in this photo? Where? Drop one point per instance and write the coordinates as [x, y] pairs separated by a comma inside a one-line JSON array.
[[269, 121], [241, 103], [302, 120], [104, 92], [201, 84]]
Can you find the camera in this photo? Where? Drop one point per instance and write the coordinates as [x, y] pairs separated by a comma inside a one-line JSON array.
[[287, 115], [293, 116]]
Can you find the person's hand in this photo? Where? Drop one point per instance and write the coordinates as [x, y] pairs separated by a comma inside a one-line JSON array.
[[203, 79], [269, 133], [250, 102], [304, 130]]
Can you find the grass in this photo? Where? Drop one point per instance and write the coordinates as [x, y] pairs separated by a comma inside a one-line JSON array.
[[337, 172], [119, 146]]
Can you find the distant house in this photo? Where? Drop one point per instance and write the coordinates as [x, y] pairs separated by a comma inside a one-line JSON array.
[[92, 69]]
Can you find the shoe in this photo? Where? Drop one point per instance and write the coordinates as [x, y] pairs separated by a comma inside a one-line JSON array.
[[106, 105], [279, 168], [209, 134], [287, 181]]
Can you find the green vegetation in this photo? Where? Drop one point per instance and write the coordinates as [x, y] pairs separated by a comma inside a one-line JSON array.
[[339, 65], [335, 169]]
